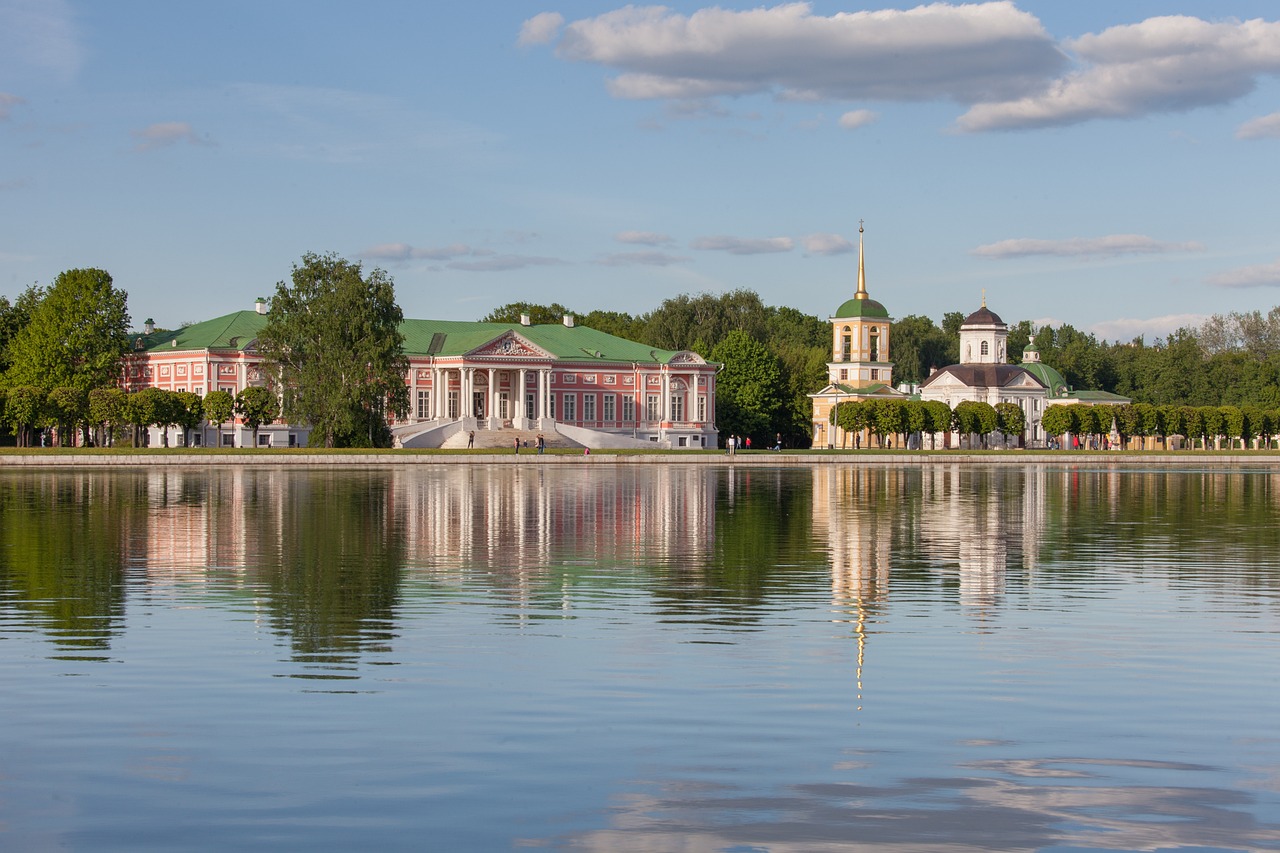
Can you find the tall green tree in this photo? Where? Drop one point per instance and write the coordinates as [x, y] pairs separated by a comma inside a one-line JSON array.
[[106, 411], [219, 406], [76, 335], [748, 394], [258, 406], [24, 411], [333, 344]]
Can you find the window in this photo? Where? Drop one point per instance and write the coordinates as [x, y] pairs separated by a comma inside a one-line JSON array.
[[453, 404], [651, 407], [424, 405], [702, 409], [551, 406], [570, 402], [529, 411], [228, 440], [677, 407], [589, 406], [264, 440], [875, 374], [628, 410], [844, 373], [983, 350], [609, 408]]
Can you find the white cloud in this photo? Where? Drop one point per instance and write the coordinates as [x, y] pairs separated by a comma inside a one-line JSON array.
[[405, 252], [858, 118], [826, 244], [503, 263], [970, 52], [540, 29], [164, 134], [744, 246], [1083, 247], [1164, 64], [1259, 275], [645, 259], [7, 103], [39, 34], [1263, 127], [1154, 327], [643, 238]]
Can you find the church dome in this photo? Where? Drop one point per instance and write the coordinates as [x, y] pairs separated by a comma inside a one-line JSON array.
[[1050, 378], [862, 308], [984, 316]]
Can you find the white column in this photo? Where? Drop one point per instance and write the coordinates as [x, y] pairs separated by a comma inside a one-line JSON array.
[[664, 405], [521, 394], [493, 394]]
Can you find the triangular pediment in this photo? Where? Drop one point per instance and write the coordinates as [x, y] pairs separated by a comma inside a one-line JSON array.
[[509, 345]]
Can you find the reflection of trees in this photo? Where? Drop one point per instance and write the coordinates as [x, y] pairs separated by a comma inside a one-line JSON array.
[[1143, 520], [762, 545], [333, 579], [62, 537]]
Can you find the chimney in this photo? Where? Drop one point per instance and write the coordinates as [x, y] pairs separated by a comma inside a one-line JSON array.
[[148, 326], [524, 320], [933, 369], [568, 320], [260, 306]]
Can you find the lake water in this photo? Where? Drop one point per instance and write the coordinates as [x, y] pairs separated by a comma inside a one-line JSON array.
[[640, 658]]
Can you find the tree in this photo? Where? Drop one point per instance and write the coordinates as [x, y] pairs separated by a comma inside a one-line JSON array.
[[1059, 419], [1213, 424], [76, 335], [258, 406], [24, 410], [1011, 420], [145, 408], [538, 314], [1233, 425], [14, 318], [938, 418], [190, 412], [976, 418], [106, 411], [219, 406], [748, 387], [332, 343], [67, 407]]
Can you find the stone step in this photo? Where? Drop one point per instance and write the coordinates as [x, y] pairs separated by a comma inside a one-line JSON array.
[[505, 439]]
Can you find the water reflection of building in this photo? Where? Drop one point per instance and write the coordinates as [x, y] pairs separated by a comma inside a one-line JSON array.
[[528, 518], [981, 520]]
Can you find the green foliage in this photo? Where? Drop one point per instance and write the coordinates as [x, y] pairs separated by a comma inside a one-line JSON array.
[[976, 418], [24, 411], [333, 344], [257, 406], [189, 410], [747, 388], [916, 345], [67, 407], [106, 407], [1010, 419], [1059, 419], [219, 406], [75, 336], [538, 314]]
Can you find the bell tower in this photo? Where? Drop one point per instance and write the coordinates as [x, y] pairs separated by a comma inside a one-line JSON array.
[[860, 336]]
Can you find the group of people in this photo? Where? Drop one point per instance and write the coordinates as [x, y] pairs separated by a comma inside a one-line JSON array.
[[540, 443], [732, 444]]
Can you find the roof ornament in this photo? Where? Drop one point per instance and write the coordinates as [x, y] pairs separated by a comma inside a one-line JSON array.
[[984, 297], [862, 269]]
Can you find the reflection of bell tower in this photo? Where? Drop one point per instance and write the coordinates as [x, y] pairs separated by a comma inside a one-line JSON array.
[[860, 337]]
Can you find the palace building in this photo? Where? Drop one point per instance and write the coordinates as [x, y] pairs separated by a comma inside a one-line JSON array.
[[576, 385]]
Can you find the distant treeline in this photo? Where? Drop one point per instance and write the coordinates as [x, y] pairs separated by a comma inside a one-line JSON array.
[[775, 356]]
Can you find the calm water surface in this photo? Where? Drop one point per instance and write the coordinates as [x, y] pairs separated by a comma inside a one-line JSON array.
[[665, 659]]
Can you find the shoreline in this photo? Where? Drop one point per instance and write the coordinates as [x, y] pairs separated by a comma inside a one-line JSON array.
[[752, 459]]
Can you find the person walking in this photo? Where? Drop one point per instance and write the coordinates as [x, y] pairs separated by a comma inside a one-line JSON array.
[[777, 443], [542, 444], [517, 445], [471, 440]]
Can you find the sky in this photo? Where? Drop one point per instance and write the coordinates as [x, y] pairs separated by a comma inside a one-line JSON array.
[[1114, 166]]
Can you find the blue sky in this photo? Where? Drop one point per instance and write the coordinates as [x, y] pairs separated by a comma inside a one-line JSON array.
[[1115, 166]]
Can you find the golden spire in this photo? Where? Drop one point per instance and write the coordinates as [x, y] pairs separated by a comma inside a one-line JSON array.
[[862, 269]]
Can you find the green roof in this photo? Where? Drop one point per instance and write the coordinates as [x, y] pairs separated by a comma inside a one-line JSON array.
[[230, 332], [862, 308], [422, 337], [1097, 397], [1050, 378]]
